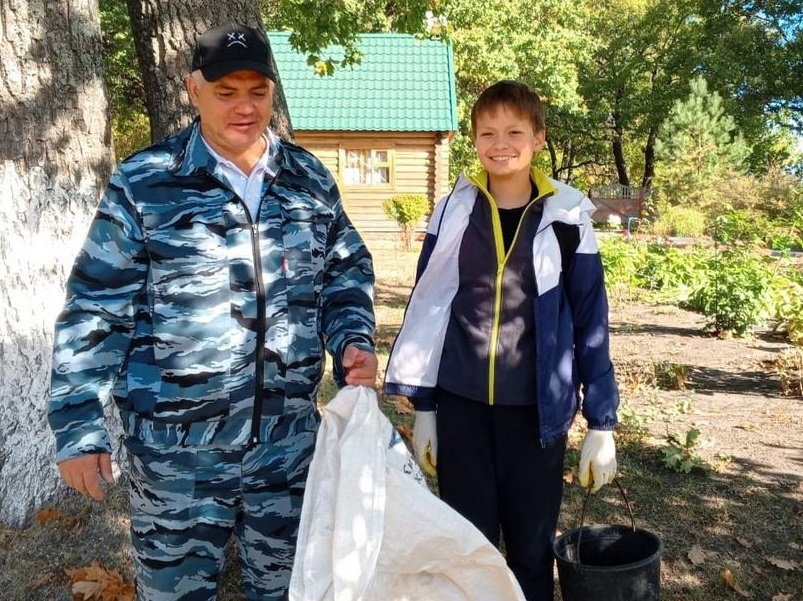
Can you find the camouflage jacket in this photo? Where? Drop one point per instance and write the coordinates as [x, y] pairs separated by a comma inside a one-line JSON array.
[[205, 326]]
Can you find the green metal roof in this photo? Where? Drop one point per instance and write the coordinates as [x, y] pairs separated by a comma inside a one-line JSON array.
[[402, 84]]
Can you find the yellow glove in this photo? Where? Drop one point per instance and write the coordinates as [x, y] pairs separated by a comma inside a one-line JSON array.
[[425, 441], [597, 459]]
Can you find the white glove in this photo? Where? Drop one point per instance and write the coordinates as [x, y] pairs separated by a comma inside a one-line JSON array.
[[597, 459], [425, 441]]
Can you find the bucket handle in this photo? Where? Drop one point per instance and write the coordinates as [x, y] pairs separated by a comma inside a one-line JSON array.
[[578, 563]]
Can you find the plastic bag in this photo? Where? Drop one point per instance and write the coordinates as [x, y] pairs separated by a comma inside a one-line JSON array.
[[372, 531]]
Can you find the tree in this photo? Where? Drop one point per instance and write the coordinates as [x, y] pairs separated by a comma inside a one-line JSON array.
[[698, 146], [164, 35], [130, 128], [55, 157], [490, 44]]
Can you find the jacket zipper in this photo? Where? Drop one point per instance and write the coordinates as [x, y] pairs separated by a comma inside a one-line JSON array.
[[502, 258], [259, 368]]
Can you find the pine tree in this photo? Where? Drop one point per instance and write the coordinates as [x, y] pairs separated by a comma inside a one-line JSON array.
[[697, 147]]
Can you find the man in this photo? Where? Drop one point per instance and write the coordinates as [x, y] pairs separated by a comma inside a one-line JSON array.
[[219, 266]]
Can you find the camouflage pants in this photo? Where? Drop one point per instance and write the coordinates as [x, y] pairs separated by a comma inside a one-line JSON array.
[[187, 502]]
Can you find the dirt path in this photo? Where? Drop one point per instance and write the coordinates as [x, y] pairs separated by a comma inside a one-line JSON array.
[[740, 521], [729, 389]]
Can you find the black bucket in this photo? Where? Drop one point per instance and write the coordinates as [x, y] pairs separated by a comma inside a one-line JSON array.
[[609, 563]]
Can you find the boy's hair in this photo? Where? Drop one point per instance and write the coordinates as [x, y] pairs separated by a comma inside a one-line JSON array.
[[516, 96]]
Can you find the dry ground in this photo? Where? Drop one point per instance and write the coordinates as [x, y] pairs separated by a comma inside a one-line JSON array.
[[741, 511]]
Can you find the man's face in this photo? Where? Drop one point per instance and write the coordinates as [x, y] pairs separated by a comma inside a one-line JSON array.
[[235, 110], [506, 142]]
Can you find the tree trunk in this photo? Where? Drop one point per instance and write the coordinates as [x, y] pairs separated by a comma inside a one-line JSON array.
[[649, 159], [619, 157], [55, 158], [617, 143], [553, 157], [164, 36]]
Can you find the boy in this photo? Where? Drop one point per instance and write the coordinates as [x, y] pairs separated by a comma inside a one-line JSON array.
[[508, 318]]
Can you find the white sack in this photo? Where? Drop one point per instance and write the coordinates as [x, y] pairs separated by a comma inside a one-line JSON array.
[[372, 531]]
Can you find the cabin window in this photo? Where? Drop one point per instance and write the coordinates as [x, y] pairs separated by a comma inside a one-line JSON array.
[[368, 167]]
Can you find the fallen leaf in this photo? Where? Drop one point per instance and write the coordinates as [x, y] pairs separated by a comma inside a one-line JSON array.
[[781, 597], [46, 515], [402, 406], [748, 426], [784, 564], [730, 582], [743, 542], [568, 476], [85, 589], [96, 583], [696, 555], [405, 431], [73, 523]]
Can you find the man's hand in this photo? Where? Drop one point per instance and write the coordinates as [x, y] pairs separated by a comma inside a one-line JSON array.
[[425, 441], [360, 367], [597, 459], [83, 473]]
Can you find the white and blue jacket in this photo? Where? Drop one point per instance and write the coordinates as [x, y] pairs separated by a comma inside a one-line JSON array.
[[570, 310]]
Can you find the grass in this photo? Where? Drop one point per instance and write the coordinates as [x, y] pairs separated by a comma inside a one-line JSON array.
[[741, 520]]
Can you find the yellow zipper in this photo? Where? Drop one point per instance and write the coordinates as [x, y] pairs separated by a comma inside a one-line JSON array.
[[501, 259]]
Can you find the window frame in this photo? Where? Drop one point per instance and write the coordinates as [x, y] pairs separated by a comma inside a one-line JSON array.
[[371, 149]]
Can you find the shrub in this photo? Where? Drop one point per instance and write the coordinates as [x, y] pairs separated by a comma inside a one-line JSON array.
[[790, 368], [407, 210], [622, 261], [734, 292], [785, 300], [131, 132], [680, 221], [739, 226]]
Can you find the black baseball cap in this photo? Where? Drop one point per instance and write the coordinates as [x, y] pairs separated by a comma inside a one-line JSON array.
[[232, 47]]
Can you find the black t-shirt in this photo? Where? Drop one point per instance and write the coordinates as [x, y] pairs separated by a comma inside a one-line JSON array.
[[510, 218]]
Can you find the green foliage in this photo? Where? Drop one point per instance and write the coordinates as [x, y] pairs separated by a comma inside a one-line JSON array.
[[789, 366], [129, 120], [131, 132], [739, 226], [633, 428], [672, 271], [785, 305], [130, 128], [407, 210], [622, 261], [682, 455], [697, 147], [490, 44], [734, 292], [680, 221], [671, 376], [316, 27]]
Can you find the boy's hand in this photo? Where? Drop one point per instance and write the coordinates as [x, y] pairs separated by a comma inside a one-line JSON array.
[[597, 459], [425, 441]]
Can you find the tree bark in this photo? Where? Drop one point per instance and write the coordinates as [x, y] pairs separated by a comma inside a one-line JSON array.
[[649, 159], [553, 157], [164, 37], [617, 143], [55, 158]]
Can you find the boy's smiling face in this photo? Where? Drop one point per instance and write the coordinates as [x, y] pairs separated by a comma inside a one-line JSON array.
[[506, 142]]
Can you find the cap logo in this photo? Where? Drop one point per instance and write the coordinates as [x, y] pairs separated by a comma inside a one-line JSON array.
[[236, 38]]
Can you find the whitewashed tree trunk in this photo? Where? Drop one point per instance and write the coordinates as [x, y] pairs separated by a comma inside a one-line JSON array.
[[55, 155]]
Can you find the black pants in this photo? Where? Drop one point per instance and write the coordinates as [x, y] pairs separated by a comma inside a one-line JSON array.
[[493, 470]]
